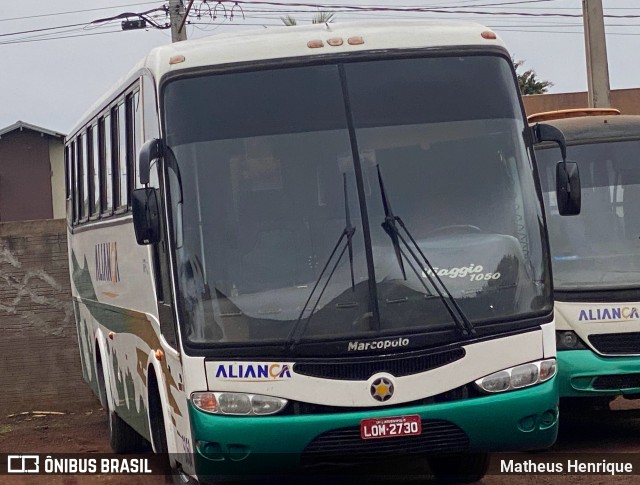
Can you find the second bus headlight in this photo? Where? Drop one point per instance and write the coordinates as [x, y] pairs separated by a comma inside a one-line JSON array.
[[568, 340], [237, 403], [517, 377]]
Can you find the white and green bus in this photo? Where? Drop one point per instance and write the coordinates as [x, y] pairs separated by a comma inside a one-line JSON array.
[[596, 255], [331, 249]]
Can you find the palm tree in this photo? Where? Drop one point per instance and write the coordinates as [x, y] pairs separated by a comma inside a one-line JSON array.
[[528, 82], [289, 21], [322, 17]]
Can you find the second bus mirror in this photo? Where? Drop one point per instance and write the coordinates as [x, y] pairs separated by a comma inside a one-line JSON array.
[[568, 188], [146, 215], [567, 175]]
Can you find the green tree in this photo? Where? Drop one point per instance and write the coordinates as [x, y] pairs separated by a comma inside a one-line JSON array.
[[528, 82], [322, 17]]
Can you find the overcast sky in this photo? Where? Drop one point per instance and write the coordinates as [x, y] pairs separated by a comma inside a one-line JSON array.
[[51, 77]]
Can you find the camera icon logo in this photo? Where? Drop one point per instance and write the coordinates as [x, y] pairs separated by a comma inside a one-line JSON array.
[[23, 464]]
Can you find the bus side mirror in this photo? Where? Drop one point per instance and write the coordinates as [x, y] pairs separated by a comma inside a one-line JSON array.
[[150, 151], [568, 188], [146, 215], [567, 175]]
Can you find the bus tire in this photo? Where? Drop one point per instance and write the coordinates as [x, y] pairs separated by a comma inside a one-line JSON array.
[[459, 468], [159, 435], [122, 437]]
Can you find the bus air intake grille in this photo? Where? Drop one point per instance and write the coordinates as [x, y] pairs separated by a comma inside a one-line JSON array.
[[616, 343], [344, 445], [620, 381], [363, 369]]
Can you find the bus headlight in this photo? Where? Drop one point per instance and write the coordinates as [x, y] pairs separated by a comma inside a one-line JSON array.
[[237, 403], [517, 377]]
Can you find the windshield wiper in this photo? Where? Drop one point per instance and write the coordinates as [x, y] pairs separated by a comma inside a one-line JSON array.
[[300, 326], [389, 225]]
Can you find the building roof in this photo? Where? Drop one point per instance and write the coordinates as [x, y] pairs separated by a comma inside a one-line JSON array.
[[21, 125]]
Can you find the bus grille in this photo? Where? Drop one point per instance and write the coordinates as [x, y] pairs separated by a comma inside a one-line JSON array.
[[345, 445], [616, 343], [621, 381], [299, 408], [362, 369]]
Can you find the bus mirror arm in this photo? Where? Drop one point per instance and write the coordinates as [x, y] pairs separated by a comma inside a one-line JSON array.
[[151, 150], [543, 132], [146, 215], [567, 174]]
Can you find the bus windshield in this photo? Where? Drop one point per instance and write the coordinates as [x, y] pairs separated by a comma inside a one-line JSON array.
[[600, 248], [278, 227]]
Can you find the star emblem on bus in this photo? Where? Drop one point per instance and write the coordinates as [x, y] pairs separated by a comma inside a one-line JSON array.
[[382, 389]]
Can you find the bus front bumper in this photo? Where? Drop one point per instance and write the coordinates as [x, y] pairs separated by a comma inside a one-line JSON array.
[[583, 373], [525, 419]]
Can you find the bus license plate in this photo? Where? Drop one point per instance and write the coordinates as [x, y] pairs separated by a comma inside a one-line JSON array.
[[390, 427]]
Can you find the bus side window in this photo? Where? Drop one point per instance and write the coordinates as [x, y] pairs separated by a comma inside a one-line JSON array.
[[77, 165], [106, 192], [68, 184], [115, 157], [95, 170], [131, 144], [123, 159]]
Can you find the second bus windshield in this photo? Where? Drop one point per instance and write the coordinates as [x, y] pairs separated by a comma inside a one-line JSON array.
[[269, 187], [600, 248]]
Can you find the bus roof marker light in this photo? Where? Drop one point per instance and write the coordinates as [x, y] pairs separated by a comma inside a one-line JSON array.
[[315, 44], [487, 34], [335, 41], [176, 59], [355, 40]]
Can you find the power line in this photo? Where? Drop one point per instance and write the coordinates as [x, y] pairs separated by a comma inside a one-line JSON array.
[[24, 41], [382, 8], [285, 8], [76, 11], [44, 29]]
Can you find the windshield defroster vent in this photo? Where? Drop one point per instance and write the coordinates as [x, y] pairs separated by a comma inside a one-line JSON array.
[[361, 370]]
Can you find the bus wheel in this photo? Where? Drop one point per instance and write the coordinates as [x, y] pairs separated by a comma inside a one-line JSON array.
[[122, 437], [159, 436], [178, 477], [459, 468]]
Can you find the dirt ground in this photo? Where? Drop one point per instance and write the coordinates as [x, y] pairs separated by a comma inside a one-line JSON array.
[[72, 432], [86, 431]]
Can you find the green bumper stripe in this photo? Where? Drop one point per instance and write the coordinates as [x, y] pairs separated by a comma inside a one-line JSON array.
[[577, 369], [509, 421]]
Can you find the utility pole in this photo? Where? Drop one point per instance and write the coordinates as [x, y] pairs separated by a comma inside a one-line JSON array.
[[596, 50], [176, 14]]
